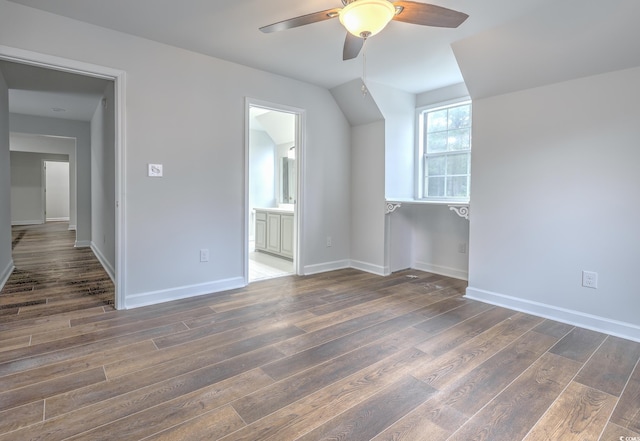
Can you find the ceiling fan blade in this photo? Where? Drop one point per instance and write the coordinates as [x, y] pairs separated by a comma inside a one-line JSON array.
[[352, 47], [428, 15], [301, 21]]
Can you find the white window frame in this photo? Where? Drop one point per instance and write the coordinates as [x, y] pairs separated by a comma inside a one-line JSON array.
[[420, 190]]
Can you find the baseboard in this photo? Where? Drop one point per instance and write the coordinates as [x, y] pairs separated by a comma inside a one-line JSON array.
[[182, 292], [370, 268], [6, 273], [575, 318], [442, 270], [27, 222], [72, 227], [57, 219], [104, 262], [83, 243], [324, 267]]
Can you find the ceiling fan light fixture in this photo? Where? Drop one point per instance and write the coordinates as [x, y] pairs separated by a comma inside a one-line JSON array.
[[364, 18]]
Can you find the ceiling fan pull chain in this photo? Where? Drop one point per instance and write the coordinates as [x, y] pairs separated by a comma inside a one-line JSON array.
[[364, 69]]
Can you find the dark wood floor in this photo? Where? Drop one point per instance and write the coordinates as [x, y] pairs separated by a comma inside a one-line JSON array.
[[338, 356]]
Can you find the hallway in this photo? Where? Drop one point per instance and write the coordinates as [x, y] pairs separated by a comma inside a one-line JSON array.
[[51, 276]]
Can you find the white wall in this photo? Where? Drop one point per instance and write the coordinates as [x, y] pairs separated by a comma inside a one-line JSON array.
[[22, 142], [103, 214], [6, 261], [27, 202], [186, 111], [262, 163], [57, 191], [398, 108], [81, 132], [367, 196], [554, 192]]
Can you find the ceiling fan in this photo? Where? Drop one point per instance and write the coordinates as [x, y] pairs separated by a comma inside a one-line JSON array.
[[364, 18]]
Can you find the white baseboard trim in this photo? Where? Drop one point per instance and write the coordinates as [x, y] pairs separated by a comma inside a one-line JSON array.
[[27, 222], [575, 318], [82, 243], [182, 292], [6, 273], [442, 270], [72, 227], [370, 268], [57, 219], [324, 267], [104, 262]]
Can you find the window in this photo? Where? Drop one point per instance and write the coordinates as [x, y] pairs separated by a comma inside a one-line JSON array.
[[445, 152]]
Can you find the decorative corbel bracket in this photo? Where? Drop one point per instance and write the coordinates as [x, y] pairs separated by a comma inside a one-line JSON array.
[[390, 207], [460, 210]]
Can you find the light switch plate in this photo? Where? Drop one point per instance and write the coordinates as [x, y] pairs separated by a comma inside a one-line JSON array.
[[155, 170]]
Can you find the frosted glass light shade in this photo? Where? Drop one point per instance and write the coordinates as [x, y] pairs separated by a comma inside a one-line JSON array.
[[364, 18]]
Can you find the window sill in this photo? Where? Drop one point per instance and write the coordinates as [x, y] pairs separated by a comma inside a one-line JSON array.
[[461, 208]]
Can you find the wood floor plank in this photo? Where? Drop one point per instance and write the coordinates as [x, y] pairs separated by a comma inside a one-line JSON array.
[[63, 354], [49, 388], [579, 413], [449, 367], [261, 403], [208, 401], [319, 354], [578, 344], [312, 339], [240, 356], [512, 413], [68, 367], [627, 412], [319, 407], [464, 331], [215, 426], [472, 391], [229, 343], [431, 421], [22, 416], [610, 367], [615, 432], [363, 421]]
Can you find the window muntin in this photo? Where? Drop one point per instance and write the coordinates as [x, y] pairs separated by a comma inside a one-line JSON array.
[[446, 152]]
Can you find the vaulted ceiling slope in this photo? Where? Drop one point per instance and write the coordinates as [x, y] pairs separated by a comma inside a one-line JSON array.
[[404, 56], [567, 39]]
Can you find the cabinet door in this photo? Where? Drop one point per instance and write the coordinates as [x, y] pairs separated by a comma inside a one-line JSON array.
[[286, 235], [273, 233], [261, 234]]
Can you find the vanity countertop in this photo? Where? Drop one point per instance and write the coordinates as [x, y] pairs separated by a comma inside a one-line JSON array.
[[275, 209]]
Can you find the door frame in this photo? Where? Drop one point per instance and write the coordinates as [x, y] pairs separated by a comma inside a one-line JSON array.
[[119, 78], [300, 166]]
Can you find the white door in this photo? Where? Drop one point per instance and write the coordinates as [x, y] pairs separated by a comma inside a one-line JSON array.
[[56, 190]]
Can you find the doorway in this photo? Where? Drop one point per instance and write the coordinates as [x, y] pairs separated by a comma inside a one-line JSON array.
[[274, 151], [114, 128], [56, 191]]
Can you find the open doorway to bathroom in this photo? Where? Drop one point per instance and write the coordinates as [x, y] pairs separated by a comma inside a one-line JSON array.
[[273, 157]]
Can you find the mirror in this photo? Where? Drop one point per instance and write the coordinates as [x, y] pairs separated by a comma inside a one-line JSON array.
[[288, 181]]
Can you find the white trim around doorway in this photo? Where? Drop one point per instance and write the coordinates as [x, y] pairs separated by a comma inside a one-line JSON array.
[[300, 166], [118, 76]]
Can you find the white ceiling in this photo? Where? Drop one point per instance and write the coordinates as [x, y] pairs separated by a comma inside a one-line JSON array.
[[50, 93], [405, 56], [505, 45]]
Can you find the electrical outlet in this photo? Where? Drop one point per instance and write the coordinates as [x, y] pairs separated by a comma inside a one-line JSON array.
[[589, 279], [328, 241], [204, 255], [462, 248]]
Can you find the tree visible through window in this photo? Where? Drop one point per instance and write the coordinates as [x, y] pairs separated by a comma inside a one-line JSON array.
[[446, 151]]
